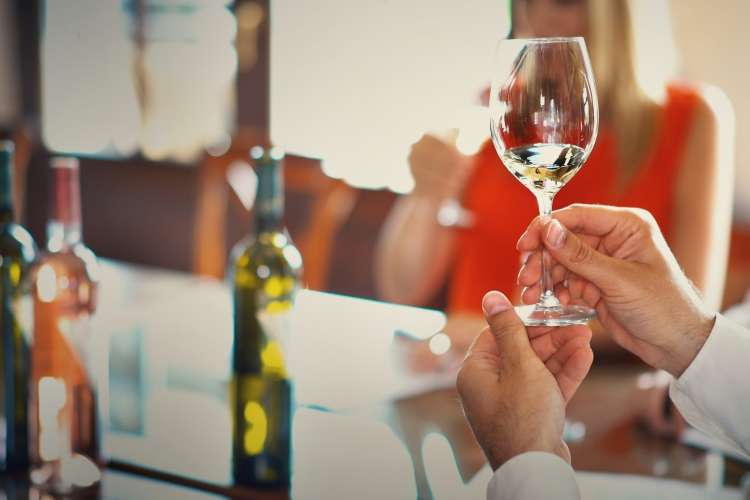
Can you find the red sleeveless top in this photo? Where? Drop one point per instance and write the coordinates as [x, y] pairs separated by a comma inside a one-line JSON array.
[[486, 256]]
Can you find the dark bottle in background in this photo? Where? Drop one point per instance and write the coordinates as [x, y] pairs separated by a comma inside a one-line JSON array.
[[17, 252], [265, 277]]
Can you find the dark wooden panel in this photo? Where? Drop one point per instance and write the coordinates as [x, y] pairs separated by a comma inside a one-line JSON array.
[[136, 211], [351, 271], [253, 81], [140, 213], [37, 181], [28, 28]]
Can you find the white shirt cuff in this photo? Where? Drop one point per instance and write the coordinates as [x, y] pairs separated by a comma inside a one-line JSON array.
[[533, 475], [712, 394]]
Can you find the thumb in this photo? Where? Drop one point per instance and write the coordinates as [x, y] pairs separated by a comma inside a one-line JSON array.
[[576, 255], [506, 327]]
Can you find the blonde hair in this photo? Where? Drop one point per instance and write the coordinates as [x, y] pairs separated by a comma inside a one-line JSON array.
[[633, 57], [626, 106]]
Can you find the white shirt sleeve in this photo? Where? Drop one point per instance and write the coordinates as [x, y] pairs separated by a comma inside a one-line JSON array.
[[534, 475], [713, 394]]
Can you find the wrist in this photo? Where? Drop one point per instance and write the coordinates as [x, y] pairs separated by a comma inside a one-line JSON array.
[[688, 343], [498, 456], [451, 189], [427, 197]]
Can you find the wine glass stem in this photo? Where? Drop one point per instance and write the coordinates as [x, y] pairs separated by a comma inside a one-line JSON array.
[[547, 298]]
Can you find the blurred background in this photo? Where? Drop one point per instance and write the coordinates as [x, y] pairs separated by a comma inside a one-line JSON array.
[[163, 99], [159, 98]]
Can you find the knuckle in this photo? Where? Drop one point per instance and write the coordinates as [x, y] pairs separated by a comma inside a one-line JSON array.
[[581, 253], [418, 147], [506, 325], [428, 141], [498, 324], [644, 217]]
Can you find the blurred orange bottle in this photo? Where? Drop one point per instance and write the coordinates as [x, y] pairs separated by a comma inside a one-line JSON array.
[[66, 356]]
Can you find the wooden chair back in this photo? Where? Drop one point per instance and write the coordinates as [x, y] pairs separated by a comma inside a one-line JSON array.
[[316, 207]]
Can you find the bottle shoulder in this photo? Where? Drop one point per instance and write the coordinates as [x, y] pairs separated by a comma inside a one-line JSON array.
[[76, 260], [274, 248], [16, 241]]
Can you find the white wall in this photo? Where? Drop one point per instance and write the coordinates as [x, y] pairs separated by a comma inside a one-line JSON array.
[[714, 43], [356, 82], [9, 92]]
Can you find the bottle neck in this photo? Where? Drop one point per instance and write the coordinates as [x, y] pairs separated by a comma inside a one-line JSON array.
[[269, 200], [64, 226], [6, 185]]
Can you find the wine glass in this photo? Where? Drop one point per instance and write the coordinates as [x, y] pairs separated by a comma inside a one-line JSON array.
[[544, 122]]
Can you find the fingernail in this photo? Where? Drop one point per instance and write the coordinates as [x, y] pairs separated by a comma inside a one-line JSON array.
[[494, 303], [555, 234]]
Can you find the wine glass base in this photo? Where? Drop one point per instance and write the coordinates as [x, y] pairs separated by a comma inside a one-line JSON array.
[[535, 315]]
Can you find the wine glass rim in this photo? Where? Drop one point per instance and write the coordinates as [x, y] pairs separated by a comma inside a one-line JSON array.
[[553, 39]]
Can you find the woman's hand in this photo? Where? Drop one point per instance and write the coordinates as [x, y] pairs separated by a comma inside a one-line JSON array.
[[440, 171]]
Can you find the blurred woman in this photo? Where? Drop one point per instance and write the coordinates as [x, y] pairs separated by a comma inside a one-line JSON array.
[[670, 154]]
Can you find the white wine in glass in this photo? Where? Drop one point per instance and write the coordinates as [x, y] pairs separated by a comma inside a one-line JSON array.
[[544, 123]]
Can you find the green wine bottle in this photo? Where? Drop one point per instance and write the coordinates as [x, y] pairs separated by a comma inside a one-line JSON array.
[[266, 276], [17, 252]]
